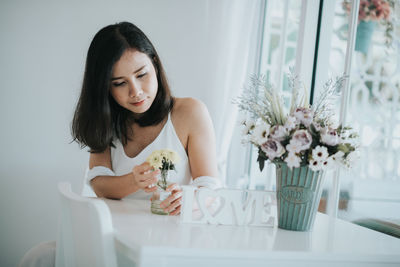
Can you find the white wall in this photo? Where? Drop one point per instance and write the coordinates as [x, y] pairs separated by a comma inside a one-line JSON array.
[[43, 45]]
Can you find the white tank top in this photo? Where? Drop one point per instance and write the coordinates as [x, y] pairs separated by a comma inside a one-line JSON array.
[[167, 139]]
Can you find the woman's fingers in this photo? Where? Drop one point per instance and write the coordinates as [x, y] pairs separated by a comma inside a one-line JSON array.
[[150, 189], [148, 183], [174, 205], [173, 187], [142, 168], [172, 202], [151, 174], [177, 211], [171, 198], [145, 177]]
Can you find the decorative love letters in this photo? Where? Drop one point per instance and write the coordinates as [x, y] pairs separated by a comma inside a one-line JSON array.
[[228, 206]]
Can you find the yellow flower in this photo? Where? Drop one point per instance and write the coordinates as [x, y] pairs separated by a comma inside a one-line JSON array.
[[155, 159], [171, 156], [164, 154]]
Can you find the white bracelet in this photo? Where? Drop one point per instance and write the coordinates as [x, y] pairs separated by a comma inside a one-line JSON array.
[[87, 190], [207, 181], [97, 171]]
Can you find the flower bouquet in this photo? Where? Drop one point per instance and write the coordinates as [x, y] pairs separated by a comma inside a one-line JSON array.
[[164, 160], [302, 142], [370, 13]]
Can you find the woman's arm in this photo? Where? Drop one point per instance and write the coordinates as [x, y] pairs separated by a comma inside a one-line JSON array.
[[117, 187], [192, 119], [201, 147]]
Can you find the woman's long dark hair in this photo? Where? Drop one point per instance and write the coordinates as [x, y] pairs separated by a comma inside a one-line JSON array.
[[98, 117]]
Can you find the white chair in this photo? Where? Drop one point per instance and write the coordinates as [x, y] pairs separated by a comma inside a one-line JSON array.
[[86, 234]]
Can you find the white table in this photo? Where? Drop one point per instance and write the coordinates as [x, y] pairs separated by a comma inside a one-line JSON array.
[[155, 240]]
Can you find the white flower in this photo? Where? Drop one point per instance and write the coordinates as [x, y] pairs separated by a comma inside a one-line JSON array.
[[260, 133], [327, 164], [303, 138], [317, 126], [333, 123], [290, 123], [320, 153], [348, 136], [248, 126], [273, 149], [338, 158], [244, 130], [315, 165], [329, 136], [293, 147], [293, 160], [304, 116], [322, 164], [278, 132]]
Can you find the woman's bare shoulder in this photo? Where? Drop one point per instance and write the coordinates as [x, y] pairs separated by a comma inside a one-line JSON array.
[[189, 115], [187, 109]]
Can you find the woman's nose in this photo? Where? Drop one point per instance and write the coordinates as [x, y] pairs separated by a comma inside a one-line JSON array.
[[134, 90]]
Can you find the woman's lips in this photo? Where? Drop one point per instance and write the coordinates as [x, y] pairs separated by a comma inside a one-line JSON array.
[[138, 103]]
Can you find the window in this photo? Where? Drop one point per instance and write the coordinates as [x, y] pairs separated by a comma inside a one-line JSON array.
[[372, 188]]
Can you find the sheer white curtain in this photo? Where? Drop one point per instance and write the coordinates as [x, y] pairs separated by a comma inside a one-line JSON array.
[[232, 32]]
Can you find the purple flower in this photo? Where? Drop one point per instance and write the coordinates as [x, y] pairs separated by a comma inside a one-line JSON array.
[[302, 138], [304, 116], [290, 123], [329, 136], [278, 132], [273, 149]]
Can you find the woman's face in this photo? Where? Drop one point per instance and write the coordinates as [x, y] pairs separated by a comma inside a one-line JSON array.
[[134, 81]]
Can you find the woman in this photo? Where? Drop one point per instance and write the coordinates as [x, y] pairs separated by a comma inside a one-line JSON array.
[[126, 111]]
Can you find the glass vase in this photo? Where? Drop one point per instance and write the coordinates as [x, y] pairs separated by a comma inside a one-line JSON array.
[[160, 194], [298, 192]]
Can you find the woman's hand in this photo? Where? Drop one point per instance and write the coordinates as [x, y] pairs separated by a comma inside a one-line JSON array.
[[144, 177], [172, 204]]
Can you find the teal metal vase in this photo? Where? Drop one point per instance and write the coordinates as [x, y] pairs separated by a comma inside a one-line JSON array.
[[298, 194], [365, 30]]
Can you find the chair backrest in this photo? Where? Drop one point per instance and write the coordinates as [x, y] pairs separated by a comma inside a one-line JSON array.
[[86, 235]]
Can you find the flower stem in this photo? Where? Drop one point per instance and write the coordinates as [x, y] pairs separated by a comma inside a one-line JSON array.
[[164, 177]]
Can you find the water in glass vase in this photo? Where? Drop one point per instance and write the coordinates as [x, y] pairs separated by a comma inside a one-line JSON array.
[[160, 194]]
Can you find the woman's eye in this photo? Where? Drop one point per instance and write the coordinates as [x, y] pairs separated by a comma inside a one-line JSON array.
[[142, 75], [119, 84]]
